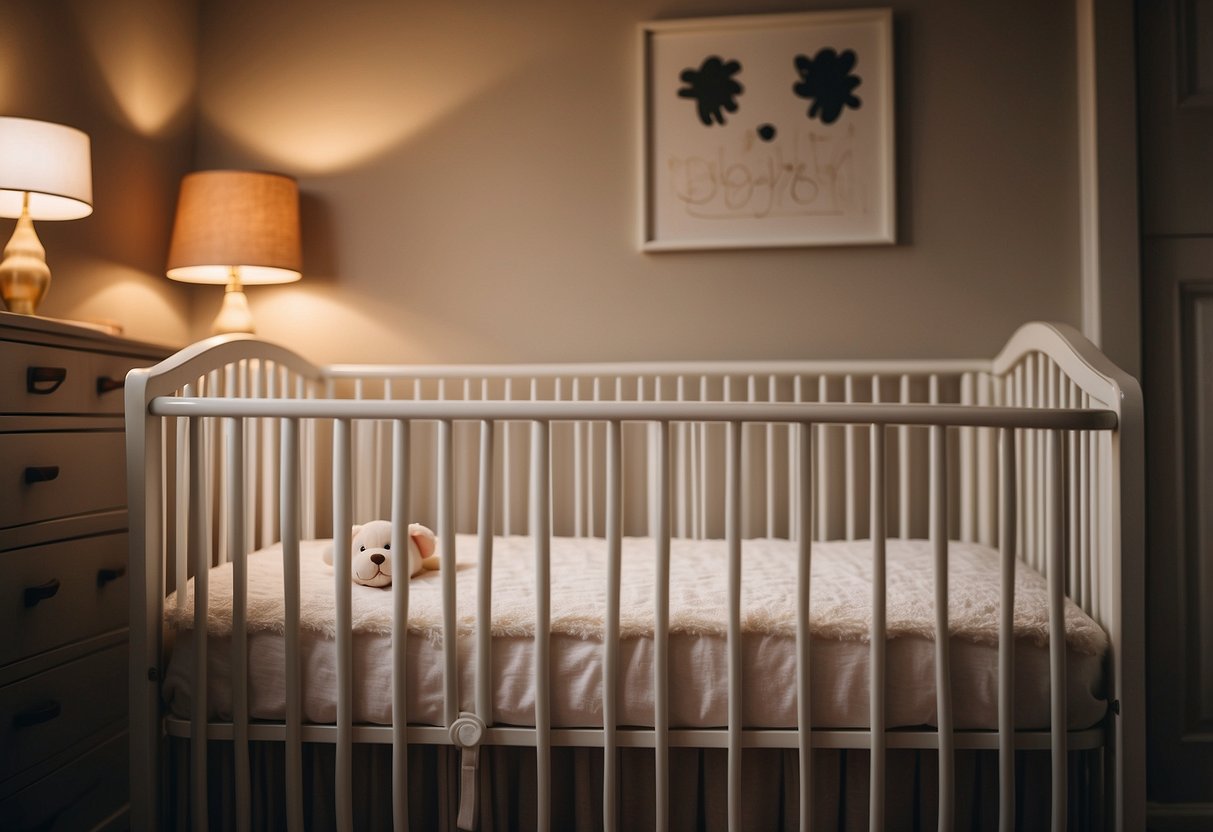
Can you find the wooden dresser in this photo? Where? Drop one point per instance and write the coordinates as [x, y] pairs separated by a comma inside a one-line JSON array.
[[63, 588]]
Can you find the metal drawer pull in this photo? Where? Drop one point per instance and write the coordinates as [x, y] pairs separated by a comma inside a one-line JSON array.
[[105, 575], [38, 714], [105, 384], [42, 381], [41, 473], [35, 594]]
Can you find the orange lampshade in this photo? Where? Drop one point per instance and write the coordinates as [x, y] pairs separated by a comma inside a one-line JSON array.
[[230, 218]]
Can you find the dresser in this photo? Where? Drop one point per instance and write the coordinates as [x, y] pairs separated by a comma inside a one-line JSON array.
[[63, 565]]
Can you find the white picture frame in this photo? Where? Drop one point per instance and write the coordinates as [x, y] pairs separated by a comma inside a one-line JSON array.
[[768, 131]]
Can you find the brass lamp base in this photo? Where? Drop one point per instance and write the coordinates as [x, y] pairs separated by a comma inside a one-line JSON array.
[[24, 275], [234, 315]]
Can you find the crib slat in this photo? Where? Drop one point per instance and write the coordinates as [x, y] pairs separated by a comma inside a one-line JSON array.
[[591, 478], [308, 475], [269, 462], [289, 509], [507, 505], [876, 692], [610, 679], [968, 465], [702, 432], [200, 550], [1084, 513], [1057, 626], [681, 453], [1006, 632], [822, 526], [804, 555], [747, 461], [903, 466], [234, 486], [770, 437], [794, 517], [849, 472], [401, 586], [733, 542], [541, 528], [446, 548], [185, 479], [986, 495], [484, 585], [661, 629], [342, 509], [579, 441], [943, 672], [252, 390]]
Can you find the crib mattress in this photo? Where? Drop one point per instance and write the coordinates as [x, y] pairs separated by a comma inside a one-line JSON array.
[[839, 668]]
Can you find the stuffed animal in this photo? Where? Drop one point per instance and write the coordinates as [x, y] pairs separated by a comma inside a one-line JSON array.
[[371, 552]]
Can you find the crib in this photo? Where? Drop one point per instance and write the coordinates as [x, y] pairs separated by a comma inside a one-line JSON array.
[[244, 457]]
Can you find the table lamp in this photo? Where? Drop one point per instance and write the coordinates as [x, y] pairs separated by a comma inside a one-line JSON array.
[[236, 228], [45, 174]]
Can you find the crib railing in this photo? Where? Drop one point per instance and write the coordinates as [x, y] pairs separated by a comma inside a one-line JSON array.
[[1023, 455]]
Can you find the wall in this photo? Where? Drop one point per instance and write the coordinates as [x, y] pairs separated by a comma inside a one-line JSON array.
[[123, 72], [471, 188]]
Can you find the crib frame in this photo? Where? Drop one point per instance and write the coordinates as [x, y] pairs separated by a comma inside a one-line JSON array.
[[1046, 440]]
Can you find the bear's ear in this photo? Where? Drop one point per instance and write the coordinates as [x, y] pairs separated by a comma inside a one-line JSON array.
[[424, 538]]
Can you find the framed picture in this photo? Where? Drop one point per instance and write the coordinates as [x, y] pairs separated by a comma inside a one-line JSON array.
[[768, 130]]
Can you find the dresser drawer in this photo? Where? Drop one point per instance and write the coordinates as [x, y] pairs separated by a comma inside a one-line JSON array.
[[84, 794], [52, 711], [38, 379], [58, 593], [51, 475]]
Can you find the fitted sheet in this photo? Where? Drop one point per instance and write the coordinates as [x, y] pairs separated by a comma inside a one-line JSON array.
[[840, 650]]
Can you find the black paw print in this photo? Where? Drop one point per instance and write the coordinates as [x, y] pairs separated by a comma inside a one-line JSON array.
[[713, 87], [827, 79]]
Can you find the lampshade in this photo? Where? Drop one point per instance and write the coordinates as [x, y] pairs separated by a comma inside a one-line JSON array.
[[48, 161], [244, 219]]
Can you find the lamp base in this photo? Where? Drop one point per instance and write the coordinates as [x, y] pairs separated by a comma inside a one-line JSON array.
[[24, 275], [234, 315]]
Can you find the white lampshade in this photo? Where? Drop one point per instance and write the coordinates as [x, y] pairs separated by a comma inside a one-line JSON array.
[[234, 218], [48, 161]]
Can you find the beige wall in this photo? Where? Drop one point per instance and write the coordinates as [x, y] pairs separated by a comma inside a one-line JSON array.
[[470, 179], [124, 72]]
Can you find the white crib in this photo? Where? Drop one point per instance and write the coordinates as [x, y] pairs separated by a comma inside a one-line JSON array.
[[235, 444]]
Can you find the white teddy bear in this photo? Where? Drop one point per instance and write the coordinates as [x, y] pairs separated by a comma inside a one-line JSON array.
[[371, 552]]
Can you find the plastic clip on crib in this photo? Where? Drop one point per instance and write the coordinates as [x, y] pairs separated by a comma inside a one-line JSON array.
[[702, 563]]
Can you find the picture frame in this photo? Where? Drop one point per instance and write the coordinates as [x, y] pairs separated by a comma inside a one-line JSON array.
[[768, 131]]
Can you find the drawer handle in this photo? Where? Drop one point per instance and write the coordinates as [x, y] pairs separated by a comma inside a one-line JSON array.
[[36, 594], [105, 384], [105, 574], [42, 381], [38, 714], [41, 473]]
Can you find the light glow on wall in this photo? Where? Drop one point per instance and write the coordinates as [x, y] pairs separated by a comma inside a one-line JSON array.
[[146, 53], [317, 88]]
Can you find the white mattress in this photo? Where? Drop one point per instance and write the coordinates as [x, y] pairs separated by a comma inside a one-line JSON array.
[[698, 650]]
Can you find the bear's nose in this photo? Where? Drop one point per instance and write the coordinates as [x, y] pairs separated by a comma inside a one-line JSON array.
[[376, 558]]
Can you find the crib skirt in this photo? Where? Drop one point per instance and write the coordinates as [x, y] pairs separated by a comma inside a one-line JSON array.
[[770, 791]]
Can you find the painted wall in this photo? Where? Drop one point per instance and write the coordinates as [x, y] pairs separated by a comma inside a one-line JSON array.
[[471, 187], [124, 72]]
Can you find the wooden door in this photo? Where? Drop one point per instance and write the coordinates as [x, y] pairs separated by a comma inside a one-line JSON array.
[[1175, 73]]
